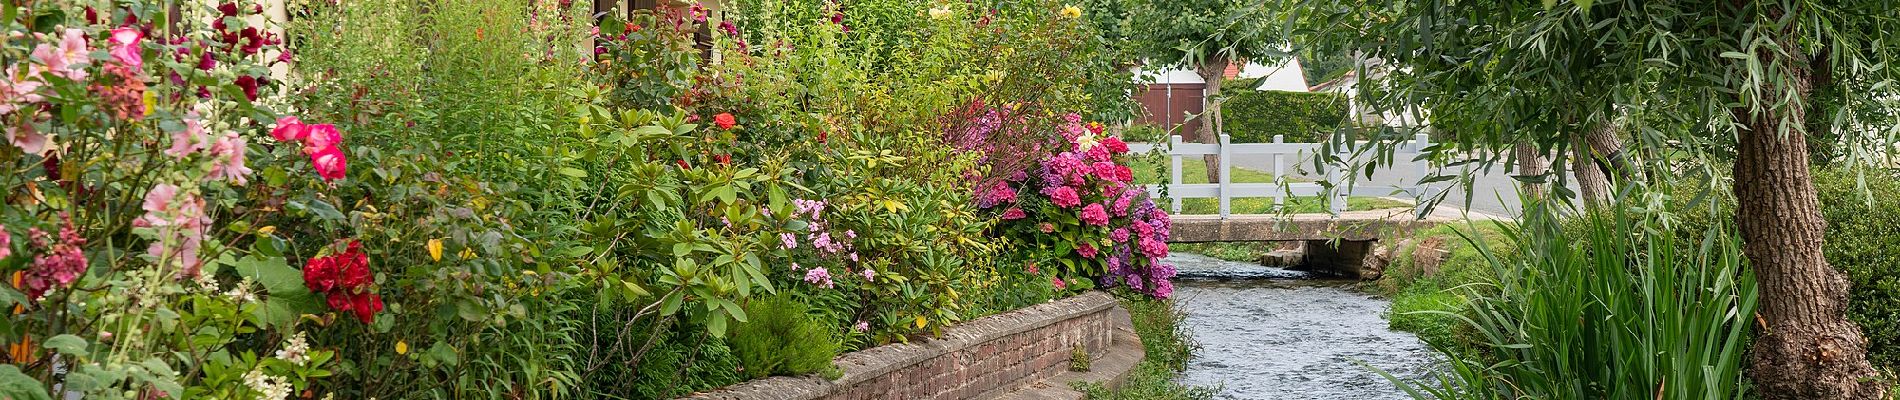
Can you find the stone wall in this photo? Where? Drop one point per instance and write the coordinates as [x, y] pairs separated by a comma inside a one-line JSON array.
[[984, 358]]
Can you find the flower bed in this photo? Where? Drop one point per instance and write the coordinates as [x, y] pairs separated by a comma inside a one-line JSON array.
[[361, 199]]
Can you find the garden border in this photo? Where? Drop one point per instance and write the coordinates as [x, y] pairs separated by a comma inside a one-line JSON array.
[[987, 357]]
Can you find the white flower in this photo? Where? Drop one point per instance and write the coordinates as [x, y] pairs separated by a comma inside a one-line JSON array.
[[267, 387], [1084, 142], [296, 350], [242, 293]]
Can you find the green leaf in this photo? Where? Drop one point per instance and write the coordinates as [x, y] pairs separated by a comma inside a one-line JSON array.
[[572, 172], [18, 386], [67, 344], [276, 276], [716, 324]]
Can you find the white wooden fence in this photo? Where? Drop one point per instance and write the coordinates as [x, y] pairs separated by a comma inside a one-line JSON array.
[[1281, 187]]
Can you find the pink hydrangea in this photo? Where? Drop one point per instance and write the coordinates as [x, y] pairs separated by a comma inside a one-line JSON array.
[[1086, 250], [1063, 196], [1119, 235], [1154, 247], [1060, 285], [819, 276], [1115, 145], [1105, 170], [1014, 214], [1094, 214], [1097, 154], [1046, 227]]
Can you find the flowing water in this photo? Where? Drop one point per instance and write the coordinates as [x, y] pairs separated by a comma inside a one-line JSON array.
[[1271, 333]]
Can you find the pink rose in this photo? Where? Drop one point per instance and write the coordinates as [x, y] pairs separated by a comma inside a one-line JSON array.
[[330, 163]]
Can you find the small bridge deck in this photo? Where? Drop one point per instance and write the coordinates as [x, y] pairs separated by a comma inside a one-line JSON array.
[[1351, 226]]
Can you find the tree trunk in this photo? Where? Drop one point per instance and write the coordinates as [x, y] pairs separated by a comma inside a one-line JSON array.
[[1806, 348], [1531, 162], [1212, 71], [1595, 156]]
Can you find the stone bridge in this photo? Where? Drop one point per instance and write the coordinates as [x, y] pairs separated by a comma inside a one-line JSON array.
[[1335, 245]]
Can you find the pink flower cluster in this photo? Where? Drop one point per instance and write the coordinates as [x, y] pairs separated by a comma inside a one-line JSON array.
[[225, 151], [181, 223], [1089, 196], [59, 263], [321, 142]]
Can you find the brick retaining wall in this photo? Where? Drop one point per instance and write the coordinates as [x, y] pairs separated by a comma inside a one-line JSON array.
[[983, 358]]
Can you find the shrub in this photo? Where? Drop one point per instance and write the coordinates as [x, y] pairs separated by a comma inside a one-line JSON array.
[[1255, 116], [1863, 239], [780, 337]]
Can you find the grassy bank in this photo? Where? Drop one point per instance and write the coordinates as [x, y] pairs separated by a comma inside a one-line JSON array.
[[1168, 346]]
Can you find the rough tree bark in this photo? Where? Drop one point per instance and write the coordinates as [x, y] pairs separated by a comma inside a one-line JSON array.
[[1212, 71], [1805, 348], [1595, 156], [1531, 162]]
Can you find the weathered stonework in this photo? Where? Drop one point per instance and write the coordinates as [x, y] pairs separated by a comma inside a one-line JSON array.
[[985, 358]]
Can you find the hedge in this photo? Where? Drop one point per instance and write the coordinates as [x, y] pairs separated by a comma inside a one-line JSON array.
[[1254, 116], [1862, 240]]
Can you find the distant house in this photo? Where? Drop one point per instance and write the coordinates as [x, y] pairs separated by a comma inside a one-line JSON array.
[[1348, 85], [1170, 96]]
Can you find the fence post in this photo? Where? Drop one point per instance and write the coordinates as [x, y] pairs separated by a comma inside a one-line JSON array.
[[1225, 162], [1279, 174], [1337, 203], [1174, 172]]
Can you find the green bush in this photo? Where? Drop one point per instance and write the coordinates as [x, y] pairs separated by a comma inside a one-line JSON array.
[[1168, 348], [1254, 116], [1863, 240], [781, 338], [682, 362]]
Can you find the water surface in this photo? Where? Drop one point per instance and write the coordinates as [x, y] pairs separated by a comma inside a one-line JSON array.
[[1270, 333]]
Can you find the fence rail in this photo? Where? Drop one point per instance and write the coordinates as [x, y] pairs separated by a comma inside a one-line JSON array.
[[1280, 188]]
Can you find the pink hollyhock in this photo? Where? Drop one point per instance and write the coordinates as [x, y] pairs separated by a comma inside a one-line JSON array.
[[1086, 250], [1115, 145], [69, 59], [1094, 214], [228, 153], [725, 121], [189, 140], [182, 224], [330, 163], [28, 139], [290, 129], [19, 89], [125, 47], [1013, 213], [1063, 196]]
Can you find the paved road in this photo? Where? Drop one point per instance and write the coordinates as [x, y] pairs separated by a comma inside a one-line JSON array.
[[1493, 193]]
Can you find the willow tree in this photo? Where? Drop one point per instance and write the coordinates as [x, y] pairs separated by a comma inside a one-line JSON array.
[[1207, 36], [1735, 74]]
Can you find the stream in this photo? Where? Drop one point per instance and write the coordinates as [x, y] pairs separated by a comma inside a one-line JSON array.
[[1272, 333]]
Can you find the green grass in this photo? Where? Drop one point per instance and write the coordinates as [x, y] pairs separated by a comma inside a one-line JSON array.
[[1426, 293], [1168, 346], [1154, 170]]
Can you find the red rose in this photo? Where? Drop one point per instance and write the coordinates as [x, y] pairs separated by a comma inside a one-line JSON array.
[[366, 306], [338, 301], [725, 121], [353, 268], [320, 274]]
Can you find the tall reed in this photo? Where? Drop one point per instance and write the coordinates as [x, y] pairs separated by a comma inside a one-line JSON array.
[[1606, 305]]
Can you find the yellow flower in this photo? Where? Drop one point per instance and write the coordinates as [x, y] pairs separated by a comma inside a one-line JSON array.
[[435, 249], [266, 231], [402, 347], [1071, 12]]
